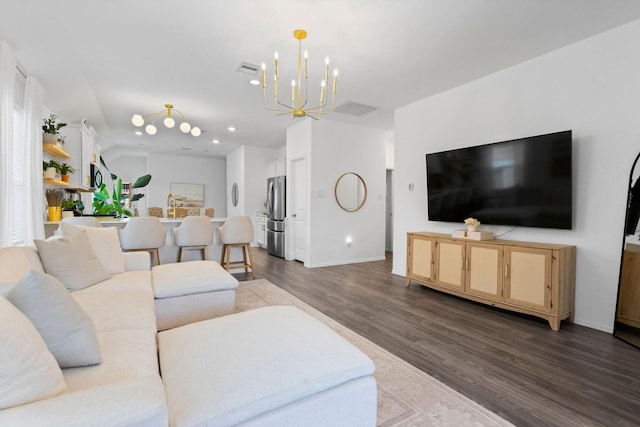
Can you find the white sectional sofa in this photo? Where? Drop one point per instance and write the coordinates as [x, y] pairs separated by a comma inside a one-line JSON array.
[[271, 366]]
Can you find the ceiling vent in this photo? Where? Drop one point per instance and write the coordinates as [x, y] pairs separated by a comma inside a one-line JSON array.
[[354, 109], [248, 68]]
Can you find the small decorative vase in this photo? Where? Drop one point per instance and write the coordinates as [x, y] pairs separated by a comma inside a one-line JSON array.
[[55, 213], [472, 227]]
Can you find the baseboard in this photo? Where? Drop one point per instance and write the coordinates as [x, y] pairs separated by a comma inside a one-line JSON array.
[[355, 261]]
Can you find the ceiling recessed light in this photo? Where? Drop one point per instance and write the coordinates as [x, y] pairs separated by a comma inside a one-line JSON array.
[[231, 129], [216, 141], [254, 82], [138, 132]]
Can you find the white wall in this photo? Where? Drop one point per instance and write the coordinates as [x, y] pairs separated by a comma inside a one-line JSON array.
[[166, 169], [592, 88], [247, 166], [337, 148], [235, 173]]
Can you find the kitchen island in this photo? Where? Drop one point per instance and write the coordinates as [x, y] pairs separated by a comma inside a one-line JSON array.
[[169, 252]]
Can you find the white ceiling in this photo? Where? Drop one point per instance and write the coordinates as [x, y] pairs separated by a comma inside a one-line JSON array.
[[105, 61]]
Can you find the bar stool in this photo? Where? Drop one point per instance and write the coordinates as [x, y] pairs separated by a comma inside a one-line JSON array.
[[143, 233], [237, 231], [209, 212], [195, 232], [156, 211]]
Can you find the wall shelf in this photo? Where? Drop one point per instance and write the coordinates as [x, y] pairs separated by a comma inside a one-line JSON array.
[[55, 151], [56, 182]]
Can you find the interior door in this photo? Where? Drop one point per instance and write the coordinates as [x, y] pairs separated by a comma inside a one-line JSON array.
[[299, 209]]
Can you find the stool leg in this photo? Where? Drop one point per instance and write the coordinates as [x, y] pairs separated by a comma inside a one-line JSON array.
[[244, 258], [251, 260], [181, 254], [224, 249], [156, 257], [228, 258], [205, 252]]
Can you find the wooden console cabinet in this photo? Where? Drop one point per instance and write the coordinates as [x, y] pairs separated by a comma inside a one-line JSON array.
[[532, 278]]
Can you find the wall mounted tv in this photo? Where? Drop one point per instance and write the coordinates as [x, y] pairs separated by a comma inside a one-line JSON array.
[[522, 182]]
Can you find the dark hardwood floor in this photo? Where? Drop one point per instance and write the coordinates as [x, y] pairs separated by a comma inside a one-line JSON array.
[[514, 365]]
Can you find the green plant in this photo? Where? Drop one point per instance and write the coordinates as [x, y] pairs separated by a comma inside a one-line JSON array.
[[45, 165], [57, 165], [65, 169], [71, 205], [114, 204], [51, 125]]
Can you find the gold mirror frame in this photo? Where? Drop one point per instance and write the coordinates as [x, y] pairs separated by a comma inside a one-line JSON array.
[[359, 198]]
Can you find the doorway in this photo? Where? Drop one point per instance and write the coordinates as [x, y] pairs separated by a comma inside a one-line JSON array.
[[388, 240]]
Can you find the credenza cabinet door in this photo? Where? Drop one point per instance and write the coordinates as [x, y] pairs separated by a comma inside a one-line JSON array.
[[450, 263], [484, 270], [527, 274], [421, 258]]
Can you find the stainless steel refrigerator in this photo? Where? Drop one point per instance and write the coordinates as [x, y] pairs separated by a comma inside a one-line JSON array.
[[276, 214]]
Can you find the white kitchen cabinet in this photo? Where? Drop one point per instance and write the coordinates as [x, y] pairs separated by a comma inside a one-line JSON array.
[[81, 142], [260, 225], [276, 168]]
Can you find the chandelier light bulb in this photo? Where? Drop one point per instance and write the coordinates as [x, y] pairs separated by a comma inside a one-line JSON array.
[[169, 122], [151, 129], [195, 131], [185, 127], [137, 120]]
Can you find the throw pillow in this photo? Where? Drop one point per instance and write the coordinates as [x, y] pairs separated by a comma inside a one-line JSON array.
[[105, 242], [28, 371], [72, 260], [65, 327]]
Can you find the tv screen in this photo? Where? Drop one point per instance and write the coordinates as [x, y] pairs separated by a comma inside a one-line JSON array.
[[523, 182]]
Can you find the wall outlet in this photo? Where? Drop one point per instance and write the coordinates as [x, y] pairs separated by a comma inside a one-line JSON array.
[[411, 186]]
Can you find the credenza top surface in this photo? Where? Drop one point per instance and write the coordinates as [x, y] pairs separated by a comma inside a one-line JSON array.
[[492, 241]]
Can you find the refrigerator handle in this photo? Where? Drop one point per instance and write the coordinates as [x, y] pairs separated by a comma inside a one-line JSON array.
[[270, 199]]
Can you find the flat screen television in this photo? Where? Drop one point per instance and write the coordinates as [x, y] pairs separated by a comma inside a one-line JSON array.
[[521, 182]]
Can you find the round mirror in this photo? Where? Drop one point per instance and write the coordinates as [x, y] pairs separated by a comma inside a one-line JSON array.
[[234, 194], [350, 191]]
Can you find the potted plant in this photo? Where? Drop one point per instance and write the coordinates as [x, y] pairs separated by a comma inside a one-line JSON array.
[[72, 207], [49, 171], [56, 165], [51, 129], [65, 170], [115, 204]]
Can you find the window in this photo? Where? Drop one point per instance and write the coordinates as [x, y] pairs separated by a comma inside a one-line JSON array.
[[18, 171]]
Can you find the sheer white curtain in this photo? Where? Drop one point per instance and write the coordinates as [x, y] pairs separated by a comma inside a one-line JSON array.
[[33, 226], [7, 83]]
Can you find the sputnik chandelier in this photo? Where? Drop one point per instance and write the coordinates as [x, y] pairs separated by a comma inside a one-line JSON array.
[[298, 106], [138, 120]]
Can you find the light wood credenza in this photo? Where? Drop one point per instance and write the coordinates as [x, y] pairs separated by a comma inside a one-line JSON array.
[[532, 278]]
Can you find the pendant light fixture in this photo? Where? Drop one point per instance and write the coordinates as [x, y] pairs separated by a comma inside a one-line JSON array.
[[169, 122], [299, 101]]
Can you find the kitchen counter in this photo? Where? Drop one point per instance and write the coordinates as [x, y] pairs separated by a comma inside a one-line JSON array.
[[169, 252]]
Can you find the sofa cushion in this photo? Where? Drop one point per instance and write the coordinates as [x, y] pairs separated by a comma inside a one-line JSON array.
[[126, 354], [65, 327], [105, 242], [194, 277], [246, 364], [28, 371], [72, 260], [118, 309], [16, 260]]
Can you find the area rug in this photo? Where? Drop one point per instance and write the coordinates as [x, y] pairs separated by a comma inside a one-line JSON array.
[[406, 395]]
